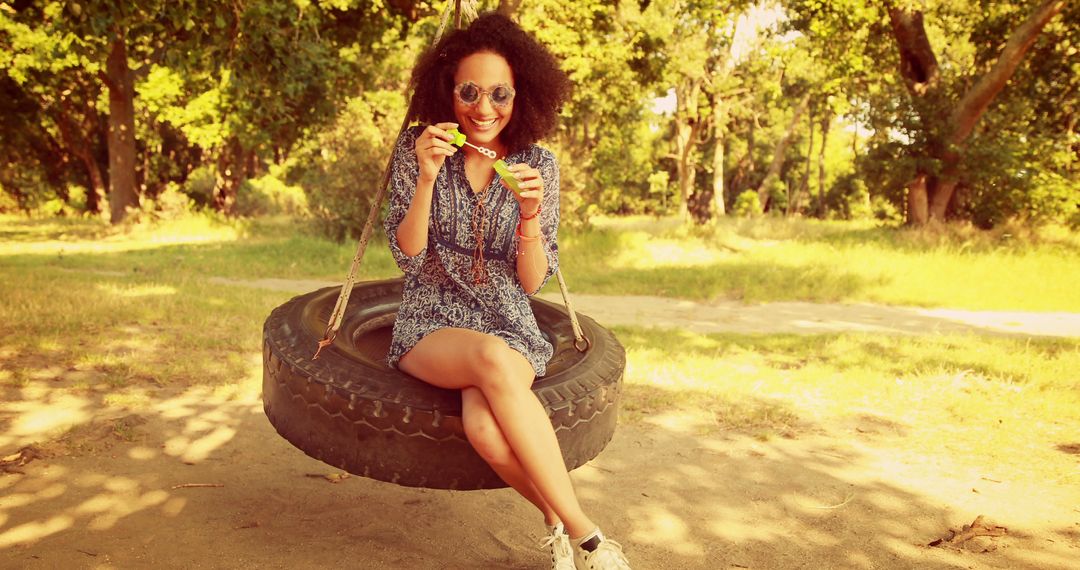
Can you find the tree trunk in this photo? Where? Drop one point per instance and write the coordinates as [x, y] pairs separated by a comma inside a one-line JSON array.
[[121, 139], [230, 175], [804, 183], [78, 144], [508, 7], [778, 152], [918, 210], [719, 132], [687, 125], [919, 68], [918, 65], [826, 122], [966, 114], [745, 167], [252, 165]]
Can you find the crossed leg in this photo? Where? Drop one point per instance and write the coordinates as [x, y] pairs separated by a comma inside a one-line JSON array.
[[463, 359], [487, 439]]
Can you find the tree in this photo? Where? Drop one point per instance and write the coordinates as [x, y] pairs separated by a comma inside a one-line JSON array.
[[66, 46], [54, 96], [609, 50], [925, 105], [930, 192], [700, 63]]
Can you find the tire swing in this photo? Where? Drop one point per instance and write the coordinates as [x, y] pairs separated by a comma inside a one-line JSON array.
[[346, 407]]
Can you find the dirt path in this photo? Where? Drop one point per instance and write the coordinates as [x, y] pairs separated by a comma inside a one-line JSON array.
[[112, 494], [786, 317], [832, 498]]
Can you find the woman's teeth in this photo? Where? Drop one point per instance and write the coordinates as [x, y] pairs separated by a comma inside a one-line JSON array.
[[483, 124]]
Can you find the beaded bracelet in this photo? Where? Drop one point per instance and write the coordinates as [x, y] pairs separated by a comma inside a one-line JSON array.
[[522, 238], [536, 213]]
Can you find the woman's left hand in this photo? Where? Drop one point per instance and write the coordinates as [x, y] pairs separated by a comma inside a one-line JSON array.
[[532, 188]]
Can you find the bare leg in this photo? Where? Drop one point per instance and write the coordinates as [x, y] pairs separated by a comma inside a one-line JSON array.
[[487, 439], [460, 358]]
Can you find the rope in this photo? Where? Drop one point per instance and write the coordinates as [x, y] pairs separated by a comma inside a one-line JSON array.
[[338, 313], [581, 343]]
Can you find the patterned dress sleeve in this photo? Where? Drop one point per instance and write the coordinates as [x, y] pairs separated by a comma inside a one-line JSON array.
[[549, 213], [404, 171]]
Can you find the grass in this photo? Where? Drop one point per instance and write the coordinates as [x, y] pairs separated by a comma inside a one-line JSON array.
[[128, 313], [756, 261], [768, 259], [193, 247], [999, 402]]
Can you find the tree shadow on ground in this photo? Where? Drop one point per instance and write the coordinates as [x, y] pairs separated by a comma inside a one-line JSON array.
[[194, 476], [675, 496]]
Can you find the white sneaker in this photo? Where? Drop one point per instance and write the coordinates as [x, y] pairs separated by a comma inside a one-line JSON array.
[[607, 556], [562, 555]]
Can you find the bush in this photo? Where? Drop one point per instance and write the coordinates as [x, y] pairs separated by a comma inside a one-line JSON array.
[[747, 205], [8, 203], [883, 209], [340, 169], [170, 204], [777, 192], [200, 185], [268, 196], [849, 199]]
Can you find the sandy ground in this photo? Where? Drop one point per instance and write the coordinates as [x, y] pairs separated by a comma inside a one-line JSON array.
[[844, 495]]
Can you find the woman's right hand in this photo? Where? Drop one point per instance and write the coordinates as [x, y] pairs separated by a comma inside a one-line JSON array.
[[432, 148]]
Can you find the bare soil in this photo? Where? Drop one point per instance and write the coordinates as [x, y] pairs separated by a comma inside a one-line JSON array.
[[200, 479]]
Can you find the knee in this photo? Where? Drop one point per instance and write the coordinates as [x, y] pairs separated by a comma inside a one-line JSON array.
[[492, 363], [487, 439]]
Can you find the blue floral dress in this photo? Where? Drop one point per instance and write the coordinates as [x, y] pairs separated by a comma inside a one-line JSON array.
[[439, 289]]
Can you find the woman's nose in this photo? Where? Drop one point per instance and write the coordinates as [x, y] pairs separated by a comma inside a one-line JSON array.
[[484, 104]]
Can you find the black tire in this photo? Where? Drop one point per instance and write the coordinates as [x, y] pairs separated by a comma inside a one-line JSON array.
[[350, 410]]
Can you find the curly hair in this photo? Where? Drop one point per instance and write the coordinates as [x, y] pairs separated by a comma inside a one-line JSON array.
[[540, 83]]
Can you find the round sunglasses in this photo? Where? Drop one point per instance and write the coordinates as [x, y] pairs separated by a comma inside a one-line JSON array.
[[469, 94]]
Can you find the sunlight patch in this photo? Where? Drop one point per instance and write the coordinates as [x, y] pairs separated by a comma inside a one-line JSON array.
[[34, 531], [193, 230], [136, 291], [640, 251], [658, 525], [42, 414]]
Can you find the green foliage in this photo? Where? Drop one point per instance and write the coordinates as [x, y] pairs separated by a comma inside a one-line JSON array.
[[885, 210], [170, 204], [200, 186], [849, 199], [224, 95], [621, 168], [605, 48], [341, 167], [8, 203], [196, 113], [1020, 134], [747, 205], [270, 196]]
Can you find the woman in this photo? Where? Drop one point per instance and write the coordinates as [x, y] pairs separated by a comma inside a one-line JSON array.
[[472, 251]]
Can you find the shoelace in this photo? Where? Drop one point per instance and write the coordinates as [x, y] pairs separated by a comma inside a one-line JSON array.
[[561, 544], [607, 555]]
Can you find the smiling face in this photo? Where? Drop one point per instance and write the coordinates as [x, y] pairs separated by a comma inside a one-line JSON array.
[[483, 121]]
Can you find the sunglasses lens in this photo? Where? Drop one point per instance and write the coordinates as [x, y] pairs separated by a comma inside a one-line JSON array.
[[502, 95], [468, 93]]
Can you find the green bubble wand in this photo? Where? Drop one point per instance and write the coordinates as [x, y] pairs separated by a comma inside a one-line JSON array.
[[500, 165]]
